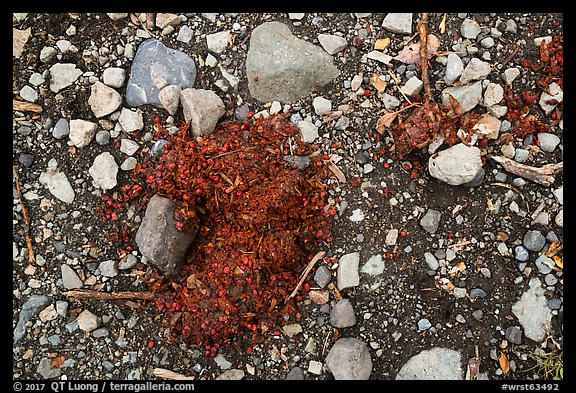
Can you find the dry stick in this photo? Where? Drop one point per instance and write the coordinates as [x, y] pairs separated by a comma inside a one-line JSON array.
[[424, 56], [311, 264], [31, 256], [23, 106], [542, 175], [164, 373], [90, 294]]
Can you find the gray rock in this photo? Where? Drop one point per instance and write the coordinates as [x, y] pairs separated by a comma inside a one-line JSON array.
[[61, 129], [301, 162], [128, 146], [521, 155], [534, 240], [550, 279], [470, 29], [103, 171], [514, 335], [424, 324], [454, 68], [117, 15], [475, 70], [478, 292], [282, 67], [128, 262], [87, 321], [433, 364], [559, 195], [231, 375], [108, 268], [510, 74], [100, 332], [26, 159], [185, 34], [431, 261], [332, 43], [348, 271], [468, 96], [342, 314], [63, 75], [169, 98], [130, 120], [548, 142], [296, 374], [308, 131], [374, 266], [81, 132], [520, 253], [559, 219], [222, 362], [158, 147], [114, 77], [323, 276], [546, 98], [390, 102], [217, 42], [30, 309], [28, 94], [46, 371], [159, 240], [532, 311], [102, 137], [493, 94], [391, 237], [349, 359], [57, 183], [202, 108], [61, 307], [154, 67], [544, 264], [70, 279], [47, 54], [554, 304], [103, 99], [321, 105], [431, 220], [413, 87], [397, 22], [456, 165]]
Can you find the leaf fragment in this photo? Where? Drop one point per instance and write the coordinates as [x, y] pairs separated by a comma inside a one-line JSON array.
[[411, 54], [503, 363], [319, 296], [558, 261], [385, 121]]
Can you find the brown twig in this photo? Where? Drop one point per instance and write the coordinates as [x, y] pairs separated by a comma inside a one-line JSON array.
[[311, 264], [90, 294], [31, 256], [424, 56], [23, 106], [168, 374]]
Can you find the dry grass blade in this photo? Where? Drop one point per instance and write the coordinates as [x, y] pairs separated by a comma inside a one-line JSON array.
[[90, 294], [167, 374], [304, 274], [336, 171], [31, 256], [23, 106]]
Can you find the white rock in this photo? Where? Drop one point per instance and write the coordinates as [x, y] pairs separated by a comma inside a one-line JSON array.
[[57, 182], [356, 82], [308, 130], [114, 77], [391, 237], [456, 165], [475, 70], [128, 146], [131, 121], [379, 56], [217, 42], [555, 94], [532, 311], [321, 105], [548, 141], [28, 94], [397, 22], [47, 54], [88, 321], [81, 132], [357, 215], [129, 164], [413, 87], [454, 68], [202, 108], [332, 43], [374, 266], [510, 74], [185, 34], [104, 171], [169, 97], [103, 99], [347, 274], [117, 15], [63, 75], [493, 94]]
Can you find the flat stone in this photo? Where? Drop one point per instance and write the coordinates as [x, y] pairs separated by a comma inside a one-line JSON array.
[[431, 261], [521, 253], [19, 40], [321, 105], [70, 279], [57, 183], [282, 67], [117, 15], [103, 99], [202, 108], [217, 42], [431, 220], [548, 141], [156, 66], [88, 321], [63, 75], [397, 22], [544, 264], [342, 314], [308, 131], [28, 94], [470, 29], [514, 334], [493, 94], [296, 374], [46, 371], [108, 268], [391, 237], [332, 43], [413, 87], [349, 359], [47, 54], [231, 375], [61, 129], [128, 146], [475, 70], [348, 271], [454, 68], [159, 240], [81, 132], [103, 171], [292, 329], [468, 96], [487, 126], [432, 364], [163, 20], [114, 77], [374, 266], [29, 310], [534, 240], [128, 164], [185, 34], [26, 159], [456, 165], [532, 311], [130, 120], [379, 56], [323, 276]]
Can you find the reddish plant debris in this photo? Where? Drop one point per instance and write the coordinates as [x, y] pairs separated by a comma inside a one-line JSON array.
[[258, 219]]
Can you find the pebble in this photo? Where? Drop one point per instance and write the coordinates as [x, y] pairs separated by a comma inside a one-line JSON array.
[[431, 220], [321, 105], [28, 94], [29, 310], [391, 237], [432, 364], [349, 359], [70, 279], [397, 22], [470, 29], [131, 121], [308, 131], [315, 367], [424, 324], [374, 266], [521, 253], [231, 375], [514, 335], [63, 75], [103, 171], [61, 129], [102, 137], [431, 261], [347, 274], [114, 77], [412, 87], [128, 146], [342, 314], [103, 99], [454, 68], [217, 42], [475, 70], [534, 240], [57, 182], [108, 268], [548, 142], [26, 159], [323, 276], [46, 371], [554, 304], [544, 264], [81, 132], [332, 43], [292, 329], [87, 321], [185, 34], [532, 311], [510, 74], [478, 292], [296, 374]]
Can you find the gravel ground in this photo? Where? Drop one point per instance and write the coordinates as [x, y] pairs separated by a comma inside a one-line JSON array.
[[453, 280]]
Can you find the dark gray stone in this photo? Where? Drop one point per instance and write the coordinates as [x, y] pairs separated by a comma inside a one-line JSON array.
[[282, 67], [514, 334], [30, 309], [156, 66], [296, 374], [349, 359], [61, 129], [301, 162], [362, 158], [159, 240], [26, 159]]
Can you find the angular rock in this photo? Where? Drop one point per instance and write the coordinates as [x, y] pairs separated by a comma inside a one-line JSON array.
[[332, 43], [202, 108], [321, 105], [61, 129], [108, 268], [81, 132], [28, 94], [374, 266], [128, 146], [57, 183], [548, 141], [493, 94], [348, 271], [468, 96], [164, 20], [63, 75], [475, 70], [282, 67], [397, 22], [114, 77], [159, 240], [487, 126], [301, 162], [323, 276], [413, 87], [532, 311], [510, 74], [432, 364], [454, 68], [231, 375], [70, 279], [46, 370], [19, 40], [456, 165], [217, 42], [117, 15], [470, 29], [154, 67], [169, 97], [88, 321], [308, 130], [431, 220], [30, 309], [103, 99], [379, 56], [342, 314], [130, 120], [296, 374], [514, 335], [103, 171], [185, 34], [391, 237], [349, 359]]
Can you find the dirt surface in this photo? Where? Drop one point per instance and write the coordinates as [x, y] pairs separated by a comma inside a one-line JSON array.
[[388, 307]]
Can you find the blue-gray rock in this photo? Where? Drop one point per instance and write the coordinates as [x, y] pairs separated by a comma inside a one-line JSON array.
[[532, 311], [514, 334], [61, 129], [296, 374], [478, 292], [30, 309], [433, 364], [342, 314], [534, 240], [46, 371], [349, 359], [241, 112], [282, 67], [159, 240], [424, 324], [26, 159], [323, 276], [554, 304], [158, 148], [431, 220], [520, 253], [521, 155], [102, 137], [468, 96], [156, 66], [544, 264]]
